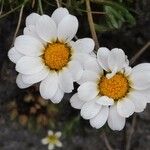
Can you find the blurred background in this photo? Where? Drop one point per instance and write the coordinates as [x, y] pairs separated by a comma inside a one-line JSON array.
[[25, 117]]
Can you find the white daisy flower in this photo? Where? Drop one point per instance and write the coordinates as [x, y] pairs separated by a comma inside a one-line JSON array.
[[47, 53], [114, 94], [52, 140]]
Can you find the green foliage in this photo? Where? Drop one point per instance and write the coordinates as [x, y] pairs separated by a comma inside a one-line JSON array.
[[75, 7], [71, 126], [116, 15], [102, 27], [112, 14]]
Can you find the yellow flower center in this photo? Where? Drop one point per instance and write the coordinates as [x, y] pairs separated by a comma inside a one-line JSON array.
[[56, 55], [52, 139], [115, 87]]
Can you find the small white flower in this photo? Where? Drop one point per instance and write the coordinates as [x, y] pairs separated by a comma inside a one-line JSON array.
[[47, 53], [114, 94], [52, 140]]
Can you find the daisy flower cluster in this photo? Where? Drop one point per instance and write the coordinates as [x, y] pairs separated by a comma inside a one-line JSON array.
[[109, 89], [46, 53], [112, 91], [52, 140]]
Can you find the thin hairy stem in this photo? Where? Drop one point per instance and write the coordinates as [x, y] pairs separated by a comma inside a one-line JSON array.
[[9, 12], [40, 7], [140, 52], [58, 3], [91, 23], [131, 131], [48, 3], [1, 8], [19, 22], [33, 3], [84, 11], [106, 141]]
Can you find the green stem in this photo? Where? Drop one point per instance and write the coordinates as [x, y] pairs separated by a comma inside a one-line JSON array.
[[11, 11], [40, 7]]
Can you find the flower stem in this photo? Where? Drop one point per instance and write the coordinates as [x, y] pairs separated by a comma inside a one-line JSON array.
[[91, 23], [19, 22], [107, 143], [40, 7], [139, 53], [58, 3], [131, 131]]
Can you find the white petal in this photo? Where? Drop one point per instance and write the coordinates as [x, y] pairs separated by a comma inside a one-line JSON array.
[[66, 81], [85, 45], [58, 144], [116, 59], [88, 76], [100, 119], [59, 14], [49, 86], [58, 96], [28, 31], [31, 30], [75, 69], [29, 65], [50, 146], [37, 77], [146, 94], [102, 57], [28, 45], [90, 109], [139, 100], [140, 80], [32, 19], [87, 91], [93, 66], [58, 134], [115, 121], [45, 141], [67, 28], [141, 67], [127, 70], [50, 132], [83, 58], [76, 102], [125, 107], [46, 29], [20, 83], [111, 74], [14, 55], [104, 100], [93, 54]]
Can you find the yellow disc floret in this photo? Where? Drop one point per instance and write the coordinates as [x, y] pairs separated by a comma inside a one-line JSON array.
[[56, 55], [115, 87], [53, 139]]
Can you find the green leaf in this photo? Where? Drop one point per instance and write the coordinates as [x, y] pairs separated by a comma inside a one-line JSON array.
[[130, 19], [102, 27], [123, 11], [116, 13], [111, 17]]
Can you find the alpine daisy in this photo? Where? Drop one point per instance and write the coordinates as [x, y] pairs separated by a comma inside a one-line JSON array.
[[114, 93], [52, 140], [46, 53]]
